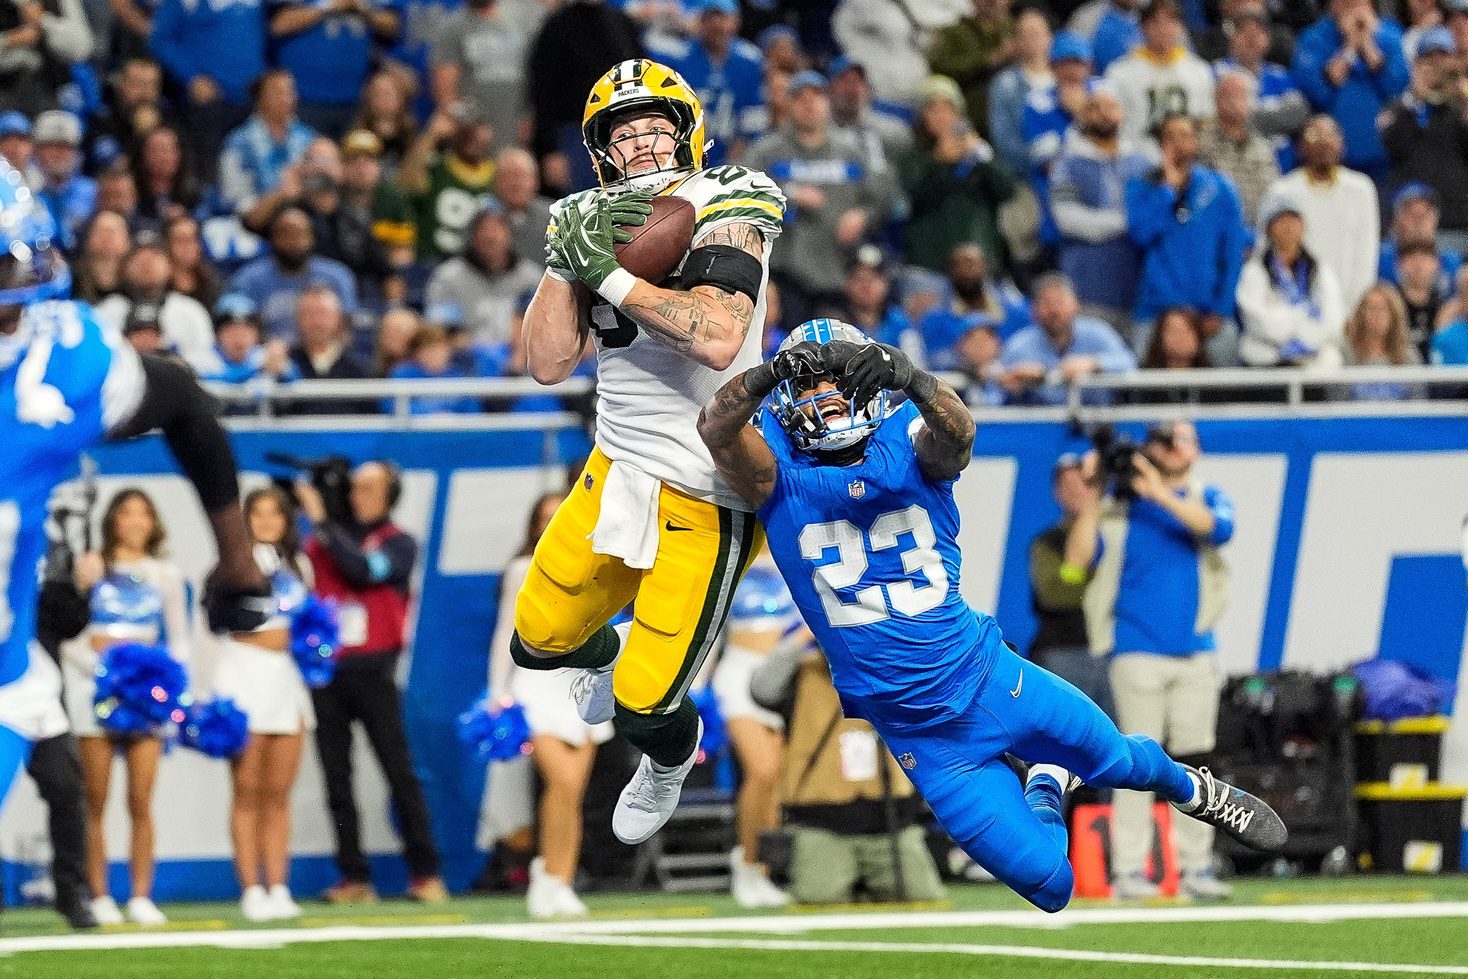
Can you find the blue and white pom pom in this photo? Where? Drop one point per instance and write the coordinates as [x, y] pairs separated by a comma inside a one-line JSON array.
[[315, 639], [140, 688], [495, 730], [715, 735], [216, 728]]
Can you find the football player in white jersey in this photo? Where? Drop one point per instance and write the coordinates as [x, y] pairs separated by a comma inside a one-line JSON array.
[[649, 518], [67, 382]]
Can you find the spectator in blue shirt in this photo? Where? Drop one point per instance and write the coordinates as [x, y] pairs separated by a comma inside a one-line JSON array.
[[726, 71], [1088, 183], [1350, 64], [1059, 348], [1450, 345], [1117, 33], [69, 197], [276, 279], [1188, 221], [257, 155], [327, 46], [214, 51], [239, 356], [974, 299], [1157, 591], [1415, 219], [430, 355], [1014, 87]]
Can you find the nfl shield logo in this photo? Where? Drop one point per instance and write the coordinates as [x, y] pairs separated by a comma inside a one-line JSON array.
[[907, 761], [857, 488], [588, 481]]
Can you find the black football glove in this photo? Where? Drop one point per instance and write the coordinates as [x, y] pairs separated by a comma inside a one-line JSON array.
[[864, 369], [230, 608], [804, 359]]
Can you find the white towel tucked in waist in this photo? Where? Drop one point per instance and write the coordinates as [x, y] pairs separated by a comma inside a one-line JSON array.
[[627, 526]]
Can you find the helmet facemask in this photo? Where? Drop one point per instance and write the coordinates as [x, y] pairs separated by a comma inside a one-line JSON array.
[[612, 156], [823, 421]]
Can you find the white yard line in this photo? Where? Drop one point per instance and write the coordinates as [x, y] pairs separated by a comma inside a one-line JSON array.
[[704, 933]]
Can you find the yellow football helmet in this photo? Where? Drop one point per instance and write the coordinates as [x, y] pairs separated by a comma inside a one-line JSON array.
[[642, 84]]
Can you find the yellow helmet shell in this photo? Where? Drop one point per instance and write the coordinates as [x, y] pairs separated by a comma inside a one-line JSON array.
[[640, 83]]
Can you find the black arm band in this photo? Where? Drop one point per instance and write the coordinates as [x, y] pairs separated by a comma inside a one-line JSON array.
[[174, 403], [731, 269]]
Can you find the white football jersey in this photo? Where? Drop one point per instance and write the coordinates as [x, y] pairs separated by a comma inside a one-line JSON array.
[[648, 394]]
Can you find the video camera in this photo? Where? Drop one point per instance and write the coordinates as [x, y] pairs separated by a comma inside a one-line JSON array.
[[332, 477], [1115, 466]]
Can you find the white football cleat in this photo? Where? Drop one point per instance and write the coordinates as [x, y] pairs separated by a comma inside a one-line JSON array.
[[749, 885], [144, 912], [592, 691], [255, 904], [282, 906], [105, 910], [549, 896], [652, 795]]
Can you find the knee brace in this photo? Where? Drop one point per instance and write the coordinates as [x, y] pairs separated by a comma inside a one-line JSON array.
[[668, 739]]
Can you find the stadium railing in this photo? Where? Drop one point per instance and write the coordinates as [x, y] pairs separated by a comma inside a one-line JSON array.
[[1203, 393]]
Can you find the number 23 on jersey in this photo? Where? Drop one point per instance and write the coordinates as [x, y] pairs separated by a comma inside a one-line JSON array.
[[874, 603]]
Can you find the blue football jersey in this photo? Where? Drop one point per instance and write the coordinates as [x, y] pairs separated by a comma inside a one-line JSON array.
[[64, 381], [870, 552]]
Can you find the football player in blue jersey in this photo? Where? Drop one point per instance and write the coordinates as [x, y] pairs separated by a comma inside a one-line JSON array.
[[67, 382], [855, 491]]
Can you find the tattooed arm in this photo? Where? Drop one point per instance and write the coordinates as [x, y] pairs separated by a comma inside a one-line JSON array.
[[740, 452], [945, 442], [706, 322]]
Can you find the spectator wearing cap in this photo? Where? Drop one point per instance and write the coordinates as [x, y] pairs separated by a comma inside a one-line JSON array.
[[1339, 205], [328, 49], [954, 182], [1426, 135], [17, 147], [972, 50], [1350, 64], [1419, 17], [1058, 583], [430, 356], [1118, 33], [1290, 307], [1161, 77], [275, 280], [517, 188], [69, 197], [320, 351], [1232, 146], [43, 39], [147, 276], [974, 299], [884, 135], [1415, 218], [1088, 181], [1050, 111], [576, 44], [726, 71], [479, 56], [143, 329], [1028, 77], [370, 200], [486, 281], [838, 201], [1060, 348], [134, 107], [779, 46], [258, 155], [1279, 109], [214, 52], [239, 355], [869, 305], [1187, 221], [449, 172]]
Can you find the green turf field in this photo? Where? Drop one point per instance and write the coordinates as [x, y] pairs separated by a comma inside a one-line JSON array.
[[1293, 928]]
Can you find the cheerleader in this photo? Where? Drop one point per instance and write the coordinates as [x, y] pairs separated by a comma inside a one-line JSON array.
[[135, 596], [760, 616], [563, 749], [257, 671]]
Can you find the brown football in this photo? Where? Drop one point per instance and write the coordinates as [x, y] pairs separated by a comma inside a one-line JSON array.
[[657, 247]]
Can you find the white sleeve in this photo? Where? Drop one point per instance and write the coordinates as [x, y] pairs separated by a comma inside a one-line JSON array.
[[175, 611], [190, 330], [501, 666], [124, 386]]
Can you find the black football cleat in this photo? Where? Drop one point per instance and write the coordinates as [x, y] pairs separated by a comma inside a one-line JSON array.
[[1244, 817]]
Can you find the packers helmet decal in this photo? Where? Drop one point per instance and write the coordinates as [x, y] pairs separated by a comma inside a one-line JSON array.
[[643, 85]]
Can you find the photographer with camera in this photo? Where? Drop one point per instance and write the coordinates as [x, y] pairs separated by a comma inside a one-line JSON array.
[[1425, 130], [364, 562], [1158, 587]]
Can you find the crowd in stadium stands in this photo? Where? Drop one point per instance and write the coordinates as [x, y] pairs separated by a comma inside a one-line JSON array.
[[1025, 193]]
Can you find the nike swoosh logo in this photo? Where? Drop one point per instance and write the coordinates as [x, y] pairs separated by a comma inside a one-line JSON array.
[[1018, 686], [669, 524]]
